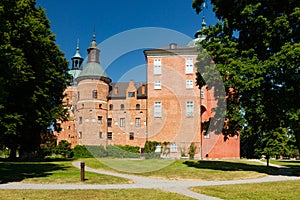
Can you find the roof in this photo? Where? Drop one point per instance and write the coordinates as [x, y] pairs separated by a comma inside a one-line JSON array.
[[93, 70], [121, 88]]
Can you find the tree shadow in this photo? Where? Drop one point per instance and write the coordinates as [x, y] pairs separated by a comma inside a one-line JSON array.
[[231, 166], [18, 171]]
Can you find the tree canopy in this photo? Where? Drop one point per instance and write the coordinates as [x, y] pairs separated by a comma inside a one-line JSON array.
[[33, 75], [256, 47]]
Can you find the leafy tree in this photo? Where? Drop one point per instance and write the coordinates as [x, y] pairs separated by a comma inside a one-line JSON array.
[[33, 75], [255, 45]]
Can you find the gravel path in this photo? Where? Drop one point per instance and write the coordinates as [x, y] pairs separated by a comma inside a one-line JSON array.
[[176, 186]]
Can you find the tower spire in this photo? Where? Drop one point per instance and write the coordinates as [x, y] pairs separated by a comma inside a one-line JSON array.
[[77, 59]]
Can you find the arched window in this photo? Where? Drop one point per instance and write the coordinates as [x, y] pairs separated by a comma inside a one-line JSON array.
[[122, 107], [137, 106], [111, 107]]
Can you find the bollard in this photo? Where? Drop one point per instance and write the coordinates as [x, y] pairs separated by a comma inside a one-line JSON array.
[[82, 171]]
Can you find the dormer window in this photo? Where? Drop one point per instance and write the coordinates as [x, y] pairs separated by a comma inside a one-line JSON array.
[[131, 94]]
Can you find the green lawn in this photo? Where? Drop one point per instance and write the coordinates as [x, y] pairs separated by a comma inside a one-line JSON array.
[[191, 169], [284, 190], [50, 172], [136, 194]]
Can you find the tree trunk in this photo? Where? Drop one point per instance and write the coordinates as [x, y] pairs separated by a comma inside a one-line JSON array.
[[12, 153], [268, 160]]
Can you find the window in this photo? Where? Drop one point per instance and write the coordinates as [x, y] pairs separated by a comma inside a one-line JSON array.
[[131, 136], [109, 122], [157, 109], [157, 66], [189, 84], [206, 134], [80, 120], [100, 135], [111, 106], [201, 94], [137, 106], [94, 94], [189, 108], [157, 85], [99, 119], [122, 122], [158, 148], [131, 94], [109, 135], [122, 107], [189, 66], [173, 148], [137, 122], [79, 134]]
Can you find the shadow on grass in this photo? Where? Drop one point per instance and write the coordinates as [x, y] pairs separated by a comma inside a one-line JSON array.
[[18, 171], [231, 166]]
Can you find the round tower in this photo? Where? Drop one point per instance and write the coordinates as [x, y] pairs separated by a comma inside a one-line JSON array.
[[93, 89]]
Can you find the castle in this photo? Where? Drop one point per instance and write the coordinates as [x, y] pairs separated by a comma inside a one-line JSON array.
[[168, 107]]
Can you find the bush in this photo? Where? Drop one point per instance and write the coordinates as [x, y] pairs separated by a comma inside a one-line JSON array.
[[64, 149], [123, 151], [81, 152]]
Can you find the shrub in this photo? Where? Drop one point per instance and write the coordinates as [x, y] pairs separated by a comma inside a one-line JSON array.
[[81, 152]]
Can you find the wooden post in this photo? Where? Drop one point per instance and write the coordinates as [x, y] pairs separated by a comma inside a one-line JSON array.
[[82, 171]]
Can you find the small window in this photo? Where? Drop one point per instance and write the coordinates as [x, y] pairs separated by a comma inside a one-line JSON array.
[[131, 94], [122, 107], [189, 108], [189, 84], [99, 119], [201, 94], [109, 135], [158, 148], [137, 122], [189, 65], [157, 85], [137, 106], [80, 120], [157, 109], [100, 135], [111, 106], [157, 66], [109, 122], [173, 148], [78, 94], [94, 94], [206, 134], [79, 134], [131, 136], [122, 122], [100, 106]]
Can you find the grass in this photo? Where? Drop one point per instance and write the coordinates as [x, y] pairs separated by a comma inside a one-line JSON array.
[[189, 169], [288, 190], [50, 172], [137, 194]]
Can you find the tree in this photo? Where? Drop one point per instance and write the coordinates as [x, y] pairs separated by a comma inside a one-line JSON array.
[[33, 75], [255, 46]]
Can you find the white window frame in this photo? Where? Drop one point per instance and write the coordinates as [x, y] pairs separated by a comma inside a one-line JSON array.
[[157, 85], [173, 148], [158, 109], [189, 84], [137, 122], [190, 109], [202, 95], [122, 122], [157, 66], [189, 66]]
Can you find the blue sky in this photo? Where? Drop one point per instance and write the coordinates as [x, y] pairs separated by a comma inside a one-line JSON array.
[[72, 20]]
